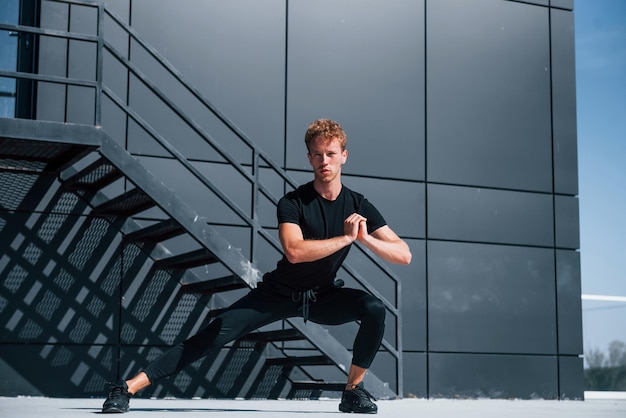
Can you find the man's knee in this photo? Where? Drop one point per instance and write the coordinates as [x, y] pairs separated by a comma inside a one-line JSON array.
[[375, 308]]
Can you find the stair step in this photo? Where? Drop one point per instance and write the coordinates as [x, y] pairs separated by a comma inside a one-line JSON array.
[[39, 156], [300, 361], [223, 284], [127, 204], [185, 261], [289, 334], [95, 176], [157, 232]]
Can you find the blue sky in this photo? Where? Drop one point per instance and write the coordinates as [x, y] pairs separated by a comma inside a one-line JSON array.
[[601, 114], [601, 118]]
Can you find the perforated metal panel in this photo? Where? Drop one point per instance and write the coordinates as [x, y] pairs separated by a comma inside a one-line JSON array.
[[31, 150], [19, 155], [12, 164]]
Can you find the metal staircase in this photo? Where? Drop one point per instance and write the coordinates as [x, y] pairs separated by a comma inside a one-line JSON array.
[[119, 189], [43, 147]]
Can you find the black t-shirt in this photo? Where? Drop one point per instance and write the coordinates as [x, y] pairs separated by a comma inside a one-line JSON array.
[[319, 219]]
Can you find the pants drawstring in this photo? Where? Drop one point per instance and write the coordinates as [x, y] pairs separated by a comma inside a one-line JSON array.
[[306, 296]]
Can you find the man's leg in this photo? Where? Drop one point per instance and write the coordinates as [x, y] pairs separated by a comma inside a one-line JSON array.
[[355, 376], [343, 305], [137, 383], [250, 312]]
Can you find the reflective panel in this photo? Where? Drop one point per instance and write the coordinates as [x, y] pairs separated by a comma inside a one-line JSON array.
[[9, 14], [569, 302], [488, 94], [343, 66], [566, 216], [235, 59], [492, 376], [564, 102], [484, 215], [401, 203], [490, 298]]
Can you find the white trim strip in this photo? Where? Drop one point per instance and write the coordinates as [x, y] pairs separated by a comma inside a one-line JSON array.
[[602, 395], [604, 298]]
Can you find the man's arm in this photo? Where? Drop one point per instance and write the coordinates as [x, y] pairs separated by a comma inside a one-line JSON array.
[[386, 244], [299, 250]]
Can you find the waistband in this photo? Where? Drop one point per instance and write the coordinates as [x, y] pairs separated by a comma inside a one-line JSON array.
[[306, 296], [310, 295]]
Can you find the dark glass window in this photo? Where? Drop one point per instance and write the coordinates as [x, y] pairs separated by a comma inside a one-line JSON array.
[[9, 14]]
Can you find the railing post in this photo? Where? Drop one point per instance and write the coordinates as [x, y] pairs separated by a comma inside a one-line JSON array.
[[399, 348], [255, 205], [99, 66]]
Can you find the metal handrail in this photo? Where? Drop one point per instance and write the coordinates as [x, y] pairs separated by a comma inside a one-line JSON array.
[[258, 155]]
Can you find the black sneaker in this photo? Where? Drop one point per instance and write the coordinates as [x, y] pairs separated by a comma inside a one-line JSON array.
[[357, 400], [118, 399]]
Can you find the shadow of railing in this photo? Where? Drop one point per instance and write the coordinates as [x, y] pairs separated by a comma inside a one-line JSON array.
[[59, 270]]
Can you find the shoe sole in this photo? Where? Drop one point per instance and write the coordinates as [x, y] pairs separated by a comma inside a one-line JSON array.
[[114, 411], [350, 411]]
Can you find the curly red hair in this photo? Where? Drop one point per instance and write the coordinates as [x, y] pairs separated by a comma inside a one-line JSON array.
[[326, 129]]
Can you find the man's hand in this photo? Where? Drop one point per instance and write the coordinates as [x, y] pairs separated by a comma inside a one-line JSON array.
[[386, 244], [353, 226]]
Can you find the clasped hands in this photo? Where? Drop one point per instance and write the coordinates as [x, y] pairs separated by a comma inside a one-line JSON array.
[[355, 227]]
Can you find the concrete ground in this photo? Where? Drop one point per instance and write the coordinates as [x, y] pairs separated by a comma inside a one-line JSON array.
[[602, 405]]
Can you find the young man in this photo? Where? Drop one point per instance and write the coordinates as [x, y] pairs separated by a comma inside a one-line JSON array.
[[317, 223]]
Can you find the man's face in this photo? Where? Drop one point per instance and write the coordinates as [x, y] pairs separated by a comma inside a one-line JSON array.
[[326, 158]]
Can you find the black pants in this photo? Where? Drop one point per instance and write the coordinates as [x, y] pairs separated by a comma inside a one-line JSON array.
[[265, 305]]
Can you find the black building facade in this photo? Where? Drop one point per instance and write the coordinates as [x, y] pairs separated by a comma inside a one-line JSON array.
[[461, 126]]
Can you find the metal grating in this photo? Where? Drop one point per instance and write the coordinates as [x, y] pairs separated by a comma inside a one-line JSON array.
[[103, 172], [31, 150], [133, 201], [12, 164], [97, 175]]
